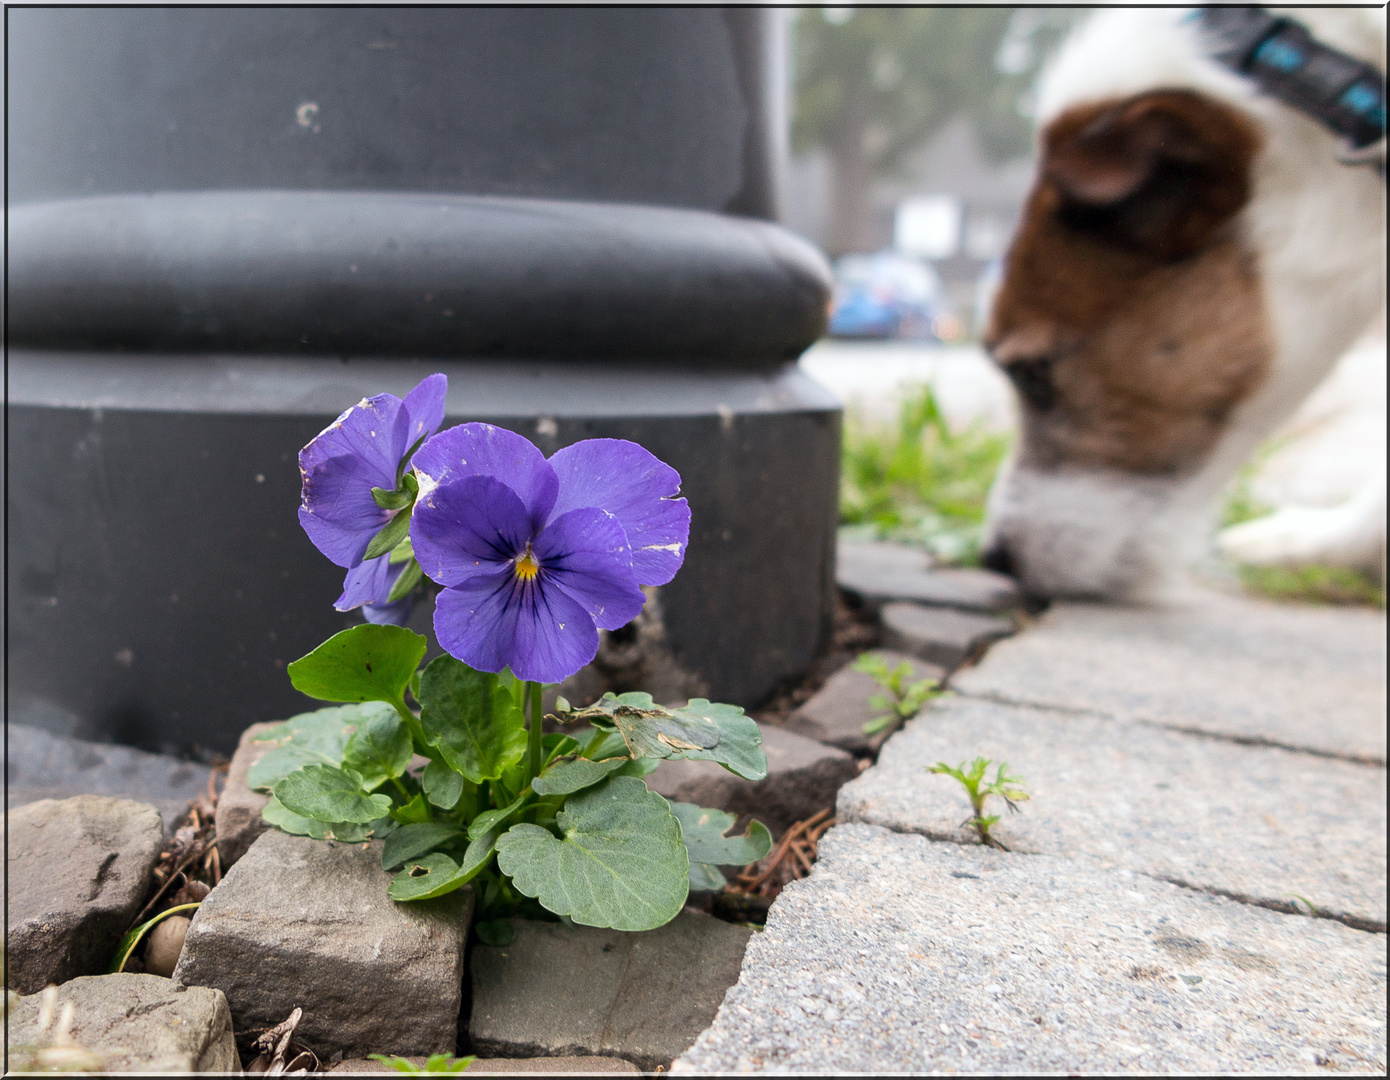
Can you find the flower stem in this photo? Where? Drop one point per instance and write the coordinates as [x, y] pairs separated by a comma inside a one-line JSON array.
[[533, 691]]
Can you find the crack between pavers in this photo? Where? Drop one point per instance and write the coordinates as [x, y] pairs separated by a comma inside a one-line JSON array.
[[1284, 907], [1369, 760]]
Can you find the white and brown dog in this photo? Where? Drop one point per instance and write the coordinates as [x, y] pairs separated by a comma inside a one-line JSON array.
[[1192, 261]]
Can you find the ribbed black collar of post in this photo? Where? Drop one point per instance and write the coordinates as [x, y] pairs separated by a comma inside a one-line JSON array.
[[1283, 58]]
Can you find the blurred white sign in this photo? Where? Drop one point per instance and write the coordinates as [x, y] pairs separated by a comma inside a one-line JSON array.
[[928, 226]]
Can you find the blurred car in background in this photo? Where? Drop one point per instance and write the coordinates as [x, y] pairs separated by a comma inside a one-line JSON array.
[[889, 295]]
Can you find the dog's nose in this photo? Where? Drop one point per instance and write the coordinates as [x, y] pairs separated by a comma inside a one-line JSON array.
[[998, 559]]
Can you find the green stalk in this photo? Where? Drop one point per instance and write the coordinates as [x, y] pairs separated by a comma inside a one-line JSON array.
[[533, 691], [412, 723]]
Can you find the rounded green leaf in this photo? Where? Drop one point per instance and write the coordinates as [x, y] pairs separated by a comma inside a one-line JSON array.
[[621, 863], [491, 819], [366, 663], [412, 841], [348, 832], [702, 831], [443, 786], [471, 718], [706, 878], [425, 878], [380, 749], [569, 775], [313, 738], [740, 745], [324, 793]]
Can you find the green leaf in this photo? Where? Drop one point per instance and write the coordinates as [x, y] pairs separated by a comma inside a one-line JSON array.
[[702, 831], [346, 831], [495, 932], [621, 863], [366, 663], [605, 744], [401, 552], [706, 878], [327, 794], [391, 534], [314, 738], [412, 841], [380, 749], [478, 853], [641, 766], [132, 939], [490, 819], [391, 500], [410, 577], [569, 775], [443, 786], [472, 719], [416, 811], [425, 878], [740, 746]]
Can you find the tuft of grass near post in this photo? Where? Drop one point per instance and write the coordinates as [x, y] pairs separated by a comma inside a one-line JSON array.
[[918, 482]]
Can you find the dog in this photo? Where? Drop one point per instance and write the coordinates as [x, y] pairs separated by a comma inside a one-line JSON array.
[[1193, 258]]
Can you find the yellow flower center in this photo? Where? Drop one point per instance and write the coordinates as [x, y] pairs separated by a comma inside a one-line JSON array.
[[526, 565]]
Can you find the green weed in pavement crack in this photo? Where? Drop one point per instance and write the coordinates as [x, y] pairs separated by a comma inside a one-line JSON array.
[[973, 780], [901, 699]]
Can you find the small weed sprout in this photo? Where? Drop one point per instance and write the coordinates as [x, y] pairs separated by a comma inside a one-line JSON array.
[[437, 1063], [901, 699], [973, 780]]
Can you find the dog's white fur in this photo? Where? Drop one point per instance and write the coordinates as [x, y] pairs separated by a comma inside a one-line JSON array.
[[1317, 228]]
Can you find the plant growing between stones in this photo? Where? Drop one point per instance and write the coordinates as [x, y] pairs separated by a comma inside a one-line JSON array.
[[901, 698], [534, 556], [435, 1063], [972, 778]]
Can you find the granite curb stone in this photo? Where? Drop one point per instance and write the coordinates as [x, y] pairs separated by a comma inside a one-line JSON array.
[[940, 636], [42, 765], [803, 776], [559, 991], [900, 954], [76, 874], [837, 712], [1252, 821], [239, 820], [140, 1023], [1299, 675], [303, 922], [502, 1066]]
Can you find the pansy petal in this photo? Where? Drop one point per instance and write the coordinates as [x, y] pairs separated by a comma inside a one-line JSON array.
[[337, 508], [496, 621], [371, 431], [424, 408], [397, 614], [485, 450], [585, 553], [369, 583], [466, 527], [638, 489]]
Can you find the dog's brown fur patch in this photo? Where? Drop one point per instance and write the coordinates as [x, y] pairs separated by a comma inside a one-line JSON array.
[[1130, 315]]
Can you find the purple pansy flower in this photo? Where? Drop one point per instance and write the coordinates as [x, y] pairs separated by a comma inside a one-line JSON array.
[[537, 556], [363, 449]]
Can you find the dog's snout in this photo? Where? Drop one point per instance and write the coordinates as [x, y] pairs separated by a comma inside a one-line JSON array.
[[1033, 381], [998, 559]]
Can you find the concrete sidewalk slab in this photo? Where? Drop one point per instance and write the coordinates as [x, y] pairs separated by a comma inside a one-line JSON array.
[[1296, 675], [1248, 821], [903, 955]]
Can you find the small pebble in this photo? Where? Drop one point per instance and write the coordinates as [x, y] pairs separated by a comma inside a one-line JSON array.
[[164, 945]]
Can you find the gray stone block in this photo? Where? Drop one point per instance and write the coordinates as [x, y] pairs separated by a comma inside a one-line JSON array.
[[239, 808], [76, 874], [903, 955], [138, 1023], [1297, 675], [837, 712], [940, 635], [588, 1064], [42, 765], [301, 922], [558, 990], [1249, 821], [803, 776], [876, 573]]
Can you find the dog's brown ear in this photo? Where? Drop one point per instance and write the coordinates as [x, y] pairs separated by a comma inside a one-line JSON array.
[[1160, 172]]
